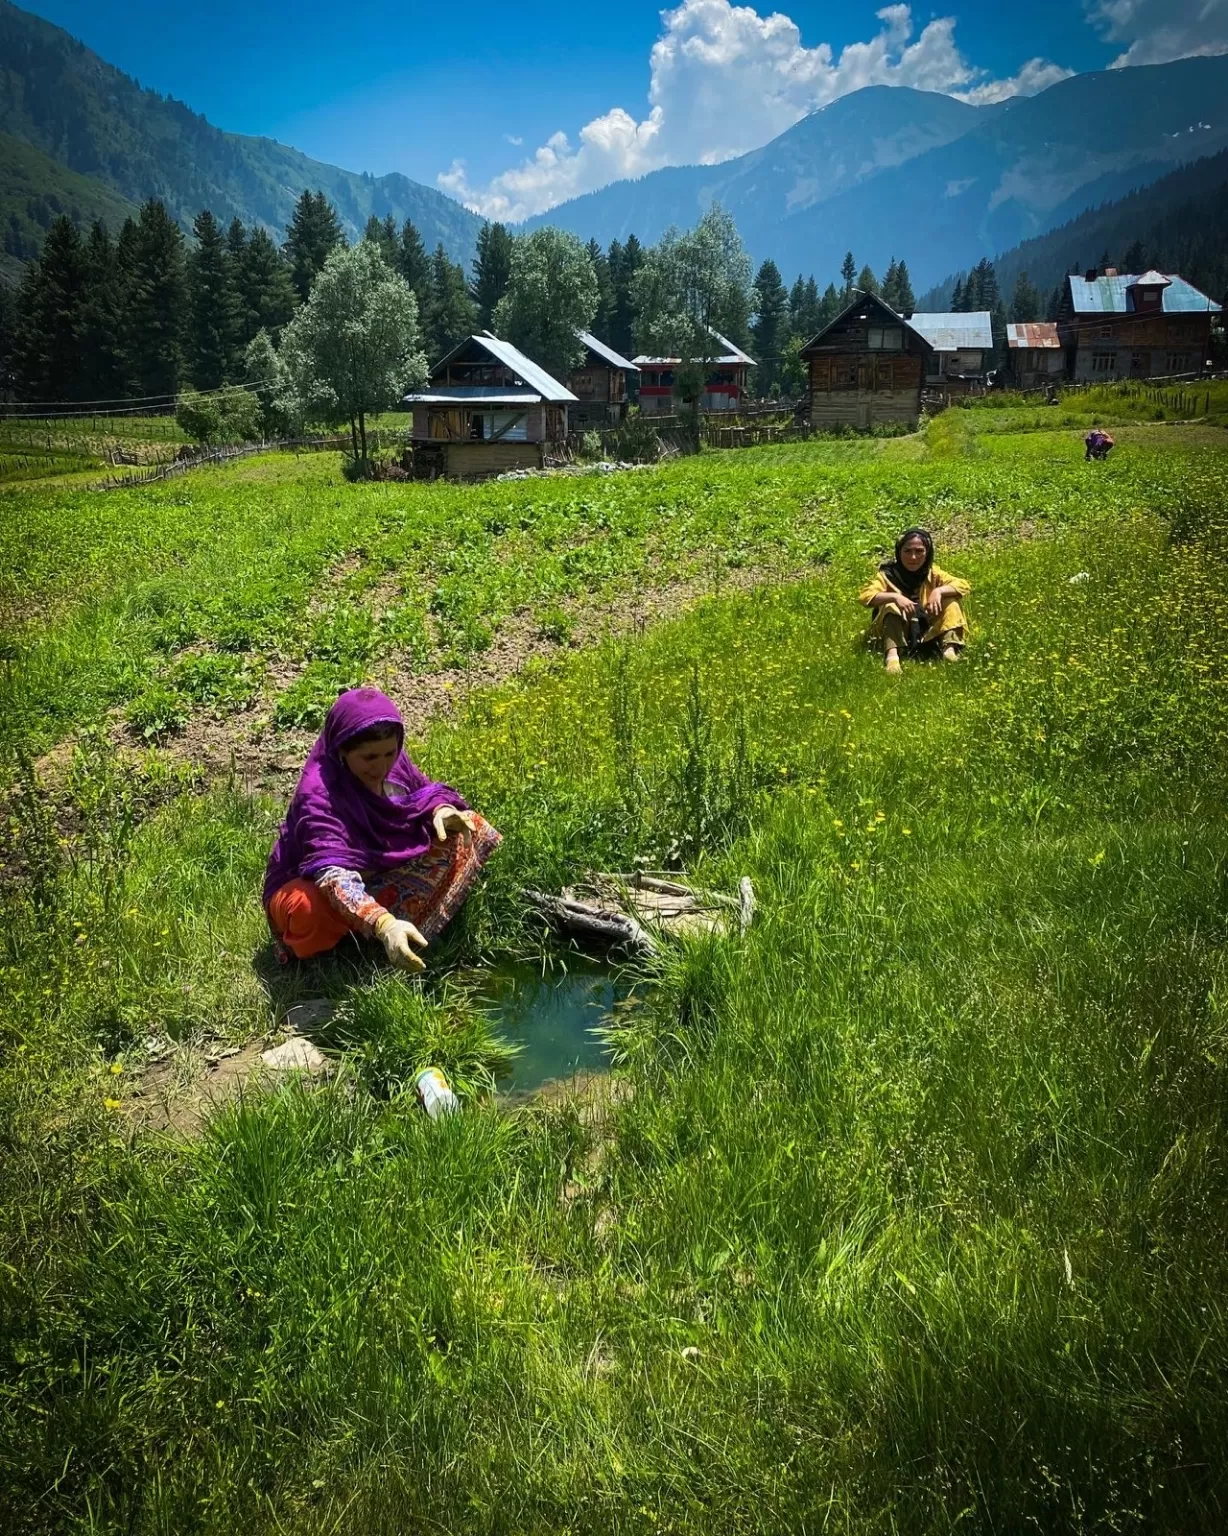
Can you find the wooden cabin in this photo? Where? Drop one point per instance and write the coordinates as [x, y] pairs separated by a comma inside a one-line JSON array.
[[963, 349], [1116, 325], [867, 367], [724, 390], [487, 408], [599, 383], [1034, 355]]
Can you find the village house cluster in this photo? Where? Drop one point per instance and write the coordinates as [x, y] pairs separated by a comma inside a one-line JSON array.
[[488, 408]]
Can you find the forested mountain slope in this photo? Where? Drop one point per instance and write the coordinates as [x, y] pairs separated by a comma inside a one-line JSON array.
[[61, 98], [34, 191], [1178, 224]]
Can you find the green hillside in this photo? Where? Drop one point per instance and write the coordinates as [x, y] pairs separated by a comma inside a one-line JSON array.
[[58, 96], [35, 190]]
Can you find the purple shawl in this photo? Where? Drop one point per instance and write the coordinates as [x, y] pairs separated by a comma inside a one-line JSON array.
[[334, 819]]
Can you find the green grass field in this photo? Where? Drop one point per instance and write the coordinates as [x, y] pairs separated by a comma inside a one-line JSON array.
[[910, 1217]]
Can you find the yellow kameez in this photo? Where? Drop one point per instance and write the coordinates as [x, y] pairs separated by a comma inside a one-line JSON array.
[[951, 617]]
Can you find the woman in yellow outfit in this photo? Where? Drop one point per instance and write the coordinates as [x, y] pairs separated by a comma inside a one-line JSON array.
[[915, 603]]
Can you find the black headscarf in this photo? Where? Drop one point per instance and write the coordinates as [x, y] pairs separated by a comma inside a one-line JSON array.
[[898, 574]]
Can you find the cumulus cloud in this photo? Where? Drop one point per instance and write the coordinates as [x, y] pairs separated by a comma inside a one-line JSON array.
[[725, 79], [1158, 31]]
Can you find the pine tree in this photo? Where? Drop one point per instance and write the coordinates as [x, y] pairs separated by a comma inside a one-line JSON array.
[[450, 315], [770, 328], [266, 288], [49, 318], [492, 266], [811, 307], [830, 306], [797, 305], [605, 290], [213, 338], [1136, 259], [623, 268], [414, 265], [102, 320], [8, 342], [1055, 302], [848, 272], [906, 301], [866, 280], [1026, 303], [957, 297], [157, 290], [383, 235], [890, 285], [314, 231]]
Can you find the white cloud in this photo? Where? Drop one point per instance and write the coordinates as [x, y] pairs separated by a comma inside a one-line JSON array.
[[725, 79], [1036, 75], [1158, 31]]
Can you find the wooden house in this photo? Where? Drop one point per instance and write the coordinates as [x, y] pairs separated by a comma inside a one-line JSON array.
[[1115, 325], [962, 349], [487, 408], [599, 383], [724, 390], [1034, 355], [867, 366]]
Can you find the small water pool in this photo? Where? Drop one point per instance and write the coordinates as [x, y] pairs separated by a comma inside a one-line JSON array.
[[551, 1016]]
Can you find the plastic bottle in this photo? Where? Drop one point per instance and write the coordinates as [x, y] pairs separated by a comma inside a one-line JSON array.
[[434, 1094]]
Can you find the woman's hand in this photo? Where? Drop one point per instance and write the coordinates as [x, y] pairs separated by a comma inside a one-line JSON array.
[[449, 818], [933, 604], [906, 605], [398, 937]]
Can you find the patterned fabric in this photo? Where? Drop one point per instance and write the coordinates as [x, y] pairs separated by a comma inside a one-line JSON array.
[[309, 917]]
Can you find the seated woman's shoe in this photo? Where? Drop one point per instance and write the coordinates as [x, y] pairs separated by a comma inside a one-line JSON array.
[[950, 653]]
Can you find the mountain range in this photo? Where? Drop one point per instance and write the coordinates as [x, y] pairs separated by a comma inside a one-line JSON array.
[[91, 120], [884, 171], [890, 171]]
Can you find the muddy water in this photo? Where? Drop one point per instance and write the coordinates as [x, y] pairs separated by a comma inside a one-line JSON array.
[[551, 1016]]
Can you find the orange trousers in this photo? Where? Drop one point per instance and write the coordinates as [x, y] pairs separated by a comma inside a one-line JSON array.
[[305, 920]]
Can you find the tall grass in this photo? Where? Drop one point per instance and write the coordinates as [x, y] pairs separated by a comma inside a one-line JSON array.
[[913, 1220]]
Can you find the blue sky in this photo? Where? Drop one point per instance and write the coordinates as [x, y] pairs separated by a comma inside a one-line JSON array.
[[476, 97]]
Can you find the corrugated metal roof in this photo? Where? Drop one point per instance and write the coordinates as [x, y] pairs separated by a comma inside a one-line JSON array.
[[1034, 335], [732, 355], [607, 353], [956, 332], [1111, 296], [511, 357], [471, 394]]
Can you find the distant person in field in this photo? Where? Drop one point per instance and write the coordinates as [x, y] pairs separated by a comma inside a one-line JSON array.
[[916, 604], [370, 846], [1098, 444]]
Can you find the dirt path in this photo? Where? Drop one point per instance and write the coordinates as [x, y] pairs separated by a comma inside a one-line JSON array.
[[251, 750]]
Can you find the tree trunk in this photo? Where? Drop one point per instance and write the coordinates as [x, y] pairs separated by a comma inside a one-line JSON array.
[[362, 432], [354, 437]]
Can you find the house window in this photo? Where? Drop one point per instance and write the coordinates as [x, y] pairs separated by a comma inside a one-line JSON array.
[[1104, 362], [1105, 333], [1178, 362], [845, 376], [503, 424], [885, 338]]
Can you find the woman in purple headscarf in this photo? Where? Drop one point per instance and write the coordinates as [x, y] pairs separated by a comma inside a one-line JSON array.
[[370, 845]]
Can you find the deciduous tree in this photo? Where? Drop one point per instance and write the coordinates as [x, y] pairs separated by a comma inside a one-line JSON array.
[[687, 290], [353, 348], [551, 292]]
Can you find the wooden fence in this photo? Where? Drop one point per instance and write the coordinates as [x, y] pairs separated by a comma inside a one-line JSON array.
[[376, 440]]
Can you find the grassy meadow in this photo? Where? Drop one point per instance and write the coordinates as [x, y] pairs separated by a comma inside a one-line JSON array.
[[909, 1213]]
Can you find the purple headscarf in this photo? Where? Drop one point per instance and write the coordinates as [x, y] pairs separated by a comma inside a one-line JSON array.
[[335, 820]]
